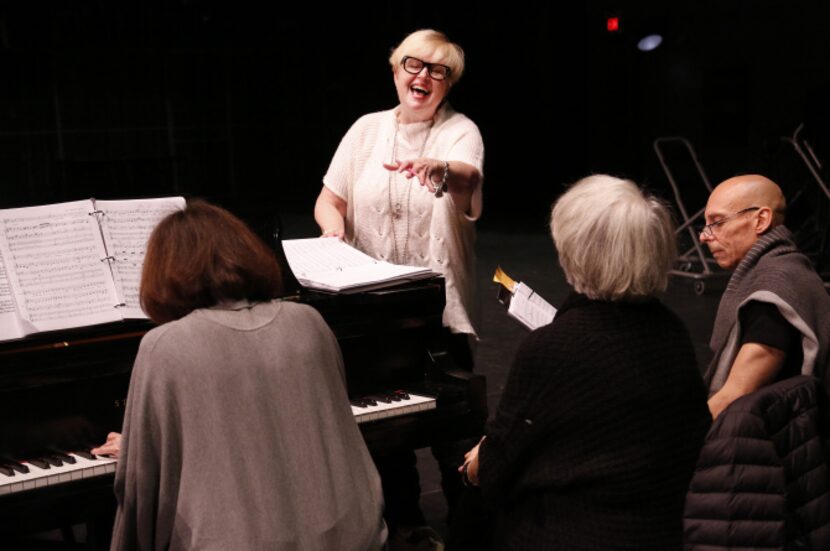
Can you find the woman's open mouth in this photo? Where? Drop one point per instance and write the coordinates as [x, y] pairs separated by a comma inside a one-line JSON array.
[[419, 92]]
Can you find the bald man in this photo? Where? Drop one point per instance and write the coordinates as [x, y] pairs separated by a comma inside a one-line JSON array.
[[773, 321]]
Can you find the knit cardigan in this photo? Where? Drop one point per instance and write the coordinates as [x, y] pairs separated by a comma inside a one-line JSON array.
[[597, 432]]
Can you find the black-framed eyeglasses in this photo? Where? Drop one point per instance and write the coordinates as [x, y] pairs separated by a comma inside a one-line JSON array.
[[709, 229], [413, 66]]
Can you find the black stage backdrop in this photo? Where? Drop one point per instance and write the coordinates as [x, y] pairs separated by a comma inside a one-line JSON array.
[[245, 103]]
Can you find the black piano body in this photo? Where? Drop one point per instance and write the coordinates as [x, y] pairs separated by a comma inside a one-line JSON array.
[[67, 390]]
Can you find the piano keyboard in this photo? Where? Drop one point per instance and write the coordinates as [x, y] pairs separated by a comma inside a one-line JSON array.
[[391, 404], [85, 466], [46, 473]]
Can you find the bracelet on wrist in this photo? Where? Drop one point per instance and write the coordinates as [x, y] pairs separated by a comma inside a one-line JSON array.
[[441, 186]]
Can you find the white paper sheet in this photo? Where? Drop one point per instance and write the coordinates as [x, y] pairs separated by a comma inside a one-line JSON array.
[[54, 259], [332, 265], [529, 308], [126, 226], [9, 326]]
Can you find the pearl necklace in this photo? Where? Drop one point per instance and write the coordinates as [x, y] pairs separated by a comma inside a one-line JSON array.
[[396, 208]]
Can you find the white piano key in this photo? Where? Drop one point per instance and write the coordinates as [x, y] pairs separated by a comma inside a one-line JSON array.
[[40, 478], [382, 410]]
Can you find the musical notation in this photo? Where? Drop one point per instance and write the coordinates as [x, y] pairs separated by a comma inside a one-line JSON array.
[[74, 264], [331, 265], [54, 254], [9, 327], [126, 226], [309, 256], [6, 298]]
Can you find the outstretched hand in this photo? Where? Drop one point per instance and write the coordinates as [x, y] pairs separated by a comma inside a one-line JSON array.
[[422, 167]]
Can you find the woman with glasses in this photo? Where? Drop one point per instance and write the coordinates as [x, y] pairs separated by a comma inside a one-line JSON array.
[[604, 411], [404, 186]]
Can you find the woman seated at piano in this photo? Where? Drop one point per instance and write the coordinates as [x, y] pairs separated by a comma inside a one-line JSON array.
[[238, 433], [604, 411]]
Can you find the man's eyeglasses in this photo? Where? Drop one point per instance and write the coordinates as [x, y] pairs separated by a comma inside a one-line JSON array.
[[709, 229], [413, 66]]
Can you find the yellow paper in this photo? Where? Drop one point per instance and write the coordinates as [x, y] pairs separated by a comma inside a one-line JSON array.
[[505, 280]]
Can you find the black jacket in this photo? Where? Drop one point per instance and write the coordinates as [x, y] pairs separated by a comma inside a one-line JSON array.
[[762, 477]]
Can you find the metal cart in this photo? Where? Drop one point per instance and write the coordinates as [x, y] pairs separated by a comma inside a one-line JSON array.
[[695, 262], [811, 202]]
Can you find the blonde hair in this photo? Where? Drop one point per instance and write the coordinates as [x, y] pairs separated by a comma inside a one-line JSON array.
[[615, 242], [427, 43]]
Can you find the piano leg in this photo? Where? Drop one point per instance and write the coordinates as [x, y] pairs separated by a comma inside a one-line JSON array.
[[99, 531], [401, 489]]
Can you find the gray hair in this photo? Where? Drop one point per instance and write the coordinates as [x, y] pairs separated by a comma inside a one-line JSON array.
[[615, 242], [425, 43]]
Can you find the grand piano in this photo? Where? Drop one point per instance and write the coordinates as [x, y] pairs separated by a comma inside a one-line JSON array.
[[62, 392]]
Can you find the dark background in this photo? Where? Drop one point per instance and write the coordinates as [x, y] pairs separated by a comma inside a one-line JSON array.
[[245, 103]]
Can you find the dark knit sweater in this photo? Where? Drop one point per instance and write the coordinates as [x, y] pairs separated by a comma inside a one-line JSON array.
[[597, 432]]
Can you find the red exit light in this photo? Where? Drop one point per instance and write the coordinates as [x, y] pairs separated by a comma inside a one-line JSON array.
[[612, 24]]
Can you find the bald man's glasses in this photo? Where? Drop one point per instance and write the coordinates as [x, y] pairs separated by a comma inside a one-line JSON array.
[[709, 229]]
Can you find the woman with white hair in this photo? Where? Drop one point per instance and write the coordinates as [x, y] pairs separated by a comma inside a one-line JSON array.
[[404, 186], [604, 412]]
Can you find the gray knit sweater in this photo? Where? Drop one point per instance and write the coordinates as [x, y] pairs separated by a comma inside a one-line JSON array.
[[238, 435], [776, 272]]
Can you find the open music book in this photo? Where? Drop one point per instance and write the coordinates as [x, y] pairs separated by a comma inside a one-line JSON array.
[[523, 304], [74, 264], [329, 264]]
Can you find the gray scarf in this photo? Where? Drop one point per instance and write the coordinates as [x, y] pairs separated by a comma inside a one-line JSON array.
[[773, 271]]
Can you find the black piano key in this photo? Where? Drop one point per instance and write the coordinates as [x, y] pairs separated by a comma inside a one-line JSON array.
[[369, 401], [394, 397], [40, 463], [86, 455], [14, 465], [359, 403], [65, 457], [382, 398], [53, 460], [402, 394], [6, 470]]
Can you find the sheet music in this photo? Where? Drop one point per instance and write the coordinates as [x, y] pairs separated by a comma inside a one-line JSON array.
[[330, 264], [9, 327], [6, 297], [126, 226], [311, 256], [529, 308], [55, 270]]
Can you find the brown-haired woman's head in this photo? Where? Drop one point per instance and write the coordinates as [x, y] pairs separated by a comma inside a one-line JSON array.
[[202, 256]]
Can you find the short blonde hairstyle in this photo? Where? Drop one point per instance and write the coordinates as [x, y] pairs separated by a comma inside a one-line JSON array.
[[426, 43], [615, 242]]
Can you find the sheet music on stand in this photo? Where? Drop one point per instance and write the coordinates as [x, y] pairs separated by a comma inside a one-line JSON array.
[[74, 264], [329, 264], [523, 304]]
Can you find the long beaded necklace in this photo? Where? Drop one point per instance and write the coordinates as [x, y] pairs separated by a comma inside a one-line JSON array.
[[396, 208]]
